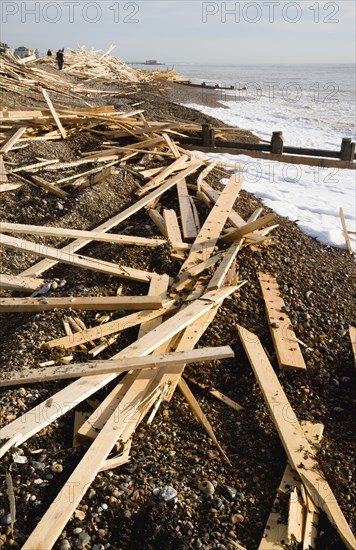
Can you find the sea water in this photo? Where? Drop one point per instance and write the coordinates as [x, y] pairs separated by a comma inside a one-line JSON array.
[[314, 106]]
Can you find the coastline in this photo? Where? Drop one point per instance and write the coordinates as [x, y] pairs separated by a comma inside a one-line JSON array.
[[174, 450]]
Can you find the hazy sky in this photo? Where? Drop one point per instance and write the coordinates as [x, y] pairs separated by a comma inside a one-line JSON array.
[[264, 31]]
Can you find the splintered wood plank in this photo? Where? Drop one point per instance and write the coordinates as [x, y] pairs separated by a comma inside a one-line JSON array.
[[248, 228], [3, 175], [89, 303], [172, 226], [284, 339], [352, 332], [106, 329], [23, 284], [94, 368], [300, 454], [40, 182], [42, 266], [186, 213], [51, 231], [345, 231], [54, 114], [84, 262], [204, 244], [178, 164], [13, 139], [275, 533]]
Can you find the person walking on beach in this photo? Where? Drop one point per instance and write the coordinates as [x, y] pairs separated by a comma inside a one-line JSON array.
[[60, 58], [49, 53]]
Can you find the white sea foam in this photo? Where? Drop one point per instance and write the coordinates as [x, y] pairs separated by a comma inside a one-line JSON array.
[[320, 117]]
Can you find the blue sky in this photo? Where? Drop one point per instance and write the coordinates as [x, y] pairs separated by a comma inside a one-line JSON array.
[[242, 32]]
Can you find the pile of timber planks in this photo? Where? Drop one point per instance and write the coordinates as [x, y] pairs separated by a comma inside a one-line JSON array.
[[172, 316]]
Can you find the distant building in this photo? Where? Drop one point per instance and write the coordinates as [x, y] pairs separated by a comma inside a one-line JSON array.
[[22, 52]]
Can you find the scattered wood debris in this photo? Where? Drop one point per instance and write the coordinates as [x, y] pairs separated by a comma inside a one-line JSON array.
[[173, 314]]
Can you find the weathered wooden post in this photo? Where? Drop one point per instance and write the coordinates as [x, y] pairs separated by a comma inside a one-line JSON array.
[[347, 150], [208, 135], [277, 143]]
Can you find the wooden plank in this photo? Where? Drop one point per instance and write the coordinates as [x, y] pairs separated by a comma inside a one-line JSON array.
[[3, 175], [54, 114], [295, 518], [118, 366], [217, 394], [23, 284], [172, 146], [88, 303], [290, 159], [45, 231], [300, 454], [352, 332], [158, 220], [105, 329], [234, 218], [101, 176], [275, 533], [222, 270], [167, 171], [40, 182], [345, 232], [186, 213], [284, 339], [234, 234], [42, 266], [76, 260], [9, 186], [11, 142], [204, 244], [199, 414], [172, 226]]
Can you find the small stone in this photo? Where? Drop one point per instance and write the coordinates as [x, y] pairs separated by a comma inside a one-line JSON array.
[[275, 325], [217, 503], [206, 487], [19, 459], [57, 468], [84, 539], [237, 518], [101, 533], [79, 514], [156, 492], [168, 493], [104, 506], [54, 285], [338, 409], [65, 545], [231, 491], [6, 520], [59, 206], [77, 531]]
